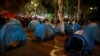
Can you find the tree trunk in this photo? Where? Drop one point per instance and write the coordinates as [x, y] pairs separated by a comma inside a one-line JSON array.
[[60, 10], [78, 11]]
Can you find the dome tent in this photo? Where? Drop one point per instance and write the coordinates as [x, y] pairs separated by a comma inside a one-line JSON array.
[[44, 31], [62, 28], [94, 30], [59, 29], [80, 42], [76, 26], [12, 32], [68, 29], [33, 24], [71, 28]]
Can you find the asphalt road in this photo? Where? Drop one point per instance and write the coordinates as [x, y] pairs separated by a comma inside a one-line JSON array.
[[34, 48]]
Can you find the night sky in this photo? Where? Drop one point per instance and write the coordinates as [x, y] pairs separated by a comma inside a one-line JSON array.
[[91, 2], [15, 5]]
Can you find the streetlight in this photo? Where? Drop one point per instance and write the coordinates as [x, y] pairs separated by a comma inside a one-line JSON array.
[[32, 2], [35, 5], [91, 8]]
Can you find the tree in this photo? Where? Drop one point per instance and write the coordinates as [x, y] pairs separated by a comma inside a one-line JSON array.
[[13, 5], [60, 10]]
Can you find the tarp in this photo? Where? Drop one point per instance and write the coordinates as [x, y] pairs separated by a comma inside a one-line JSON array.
[[44, 31]]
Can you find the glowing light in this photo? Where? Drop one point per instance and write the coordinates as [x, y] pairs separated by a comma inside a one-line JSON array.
[[91, 8], [32, 2], [35, 5]]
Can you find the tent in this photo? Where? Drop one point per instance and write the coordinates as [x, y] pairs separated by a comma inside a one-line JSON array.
[[33, 24], [44, 31], [12, 32], [76, 27], [94, 30], [80, 42], [60, 28], [68, 29]]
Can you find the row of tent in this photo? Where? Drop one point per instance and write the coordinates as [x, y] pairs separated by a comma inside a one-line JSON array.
[[60, 28], [79, 39], [12, 31]]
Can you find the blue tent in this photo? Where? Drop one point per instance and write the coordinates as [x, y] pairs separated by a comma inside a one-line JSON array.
[[68, 29], [94, 30], [12, 32], [60, 28], [80, 42], [33, 24], [76, 27], [44, 31]]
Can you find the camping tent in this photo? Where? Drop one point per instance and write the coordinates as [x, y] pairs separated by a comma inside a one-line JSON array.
[[79, 42], [44, 31]]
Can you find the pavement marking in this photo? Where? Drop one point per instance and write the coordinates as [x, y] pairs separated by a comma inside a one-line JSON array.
[[58, 47], [52, 53], [29, 38]]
